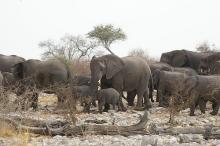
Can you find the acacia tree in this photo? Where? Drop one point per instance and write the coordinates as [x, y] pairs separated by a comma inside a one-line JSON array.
[[106, 35]]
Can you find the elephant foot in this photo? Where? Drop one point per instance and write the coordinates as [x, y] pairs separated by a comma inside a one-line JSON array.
[[213, 113]]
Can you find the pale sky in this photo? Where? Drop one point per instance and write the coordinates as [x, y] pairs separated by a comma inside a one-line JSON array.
[[155, 25]]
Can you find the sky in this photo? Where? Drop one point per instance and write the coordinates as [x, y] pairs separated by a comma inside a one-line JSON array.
[[155, 25]]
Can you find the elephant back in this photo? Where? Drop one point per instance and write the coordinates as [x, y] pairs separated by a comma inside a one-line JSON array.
[[7, 62]]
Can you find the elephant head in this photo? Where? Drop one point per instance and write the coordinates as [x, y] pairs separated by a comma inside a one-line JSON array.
[[107, 65], [177, 58]]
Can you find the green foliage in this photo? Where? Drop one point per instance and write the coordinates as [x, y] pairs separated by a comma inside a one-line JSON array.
[[106, 35]]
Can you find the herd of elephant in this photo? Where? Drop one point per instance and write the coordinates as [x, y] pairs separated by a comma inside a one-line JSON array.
[[192, 77]]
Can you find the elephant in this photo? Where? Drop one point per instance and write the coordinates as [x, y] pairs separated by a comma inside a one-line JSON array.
[[127, 74], [167, 84], [184, 58], [108, 96], [210, 64], [43, 73], [7, 62], [160, 66], [8, 79], [186, 70], [200, 89], [80, 80], [84, 95], [107, 83], [157, 76]]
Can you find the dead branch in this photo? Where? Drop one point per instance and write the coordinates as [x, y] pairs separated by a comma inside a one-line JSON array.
[[65, 128]]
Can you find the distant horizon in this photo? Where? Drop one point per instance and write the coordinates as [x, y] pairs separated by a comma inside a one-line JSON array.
[[157, 26]]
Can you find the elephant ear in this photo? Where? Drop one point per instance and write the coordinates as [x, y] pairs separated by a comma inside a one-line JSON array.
[[179, 59], [114, 64]]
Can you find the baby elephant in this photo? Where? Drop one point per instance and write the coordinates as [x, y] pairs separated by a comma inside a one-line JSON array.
[[108, 96]]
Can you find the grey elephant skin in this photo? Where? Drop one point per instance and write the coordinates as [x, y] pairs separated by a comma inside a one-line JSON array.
[[127, 74], [42, 73], [160, 77], [210, 64], [200, 89], [108, 96], [168, 83], [80, 80], [7, 62], [84, 95], [184, 58]]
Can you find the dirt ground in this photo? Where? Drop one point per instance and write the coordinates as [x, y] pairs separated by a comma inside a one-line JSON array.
[[158, 115]]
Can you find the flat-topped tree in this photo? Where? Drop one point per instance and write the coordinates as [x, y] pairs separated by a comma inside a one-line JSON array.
[[106, 35]]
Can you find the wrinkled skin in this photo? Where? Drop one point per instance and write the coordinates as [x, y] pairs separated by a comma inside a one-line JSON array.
[[210, 65], [127, 74], [202, 89], [44, 73], [7, 62], [184, 58], [108, 96]]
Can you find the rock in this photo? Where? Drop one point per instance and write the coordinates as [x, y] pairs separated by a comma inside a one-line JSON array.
[[187, 138], [158, 140]]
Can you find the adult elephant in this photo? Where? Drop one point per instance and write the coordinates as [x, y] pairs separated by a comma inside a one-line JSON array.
[[200, 89], [184, 58], [7, 62], [160, 66], [210, 64], [44, 73], [127, 74]]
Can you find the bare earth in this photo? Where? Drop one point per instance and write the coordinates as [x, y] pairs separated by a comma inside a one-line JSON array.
[[157, 115]]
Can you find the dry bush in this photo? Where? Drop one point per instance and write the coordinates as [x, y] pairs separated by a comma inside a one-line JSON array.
[[81, 67], [142, 54]]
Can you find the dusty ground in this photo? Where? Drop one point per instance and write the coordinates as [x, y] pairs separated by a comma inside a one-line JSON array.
[[157, 115]]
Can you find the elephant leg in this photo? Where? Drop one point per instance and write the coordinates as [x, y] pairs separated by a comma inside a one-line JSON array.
[[194, 100], [113, 106], [147, 103], [130, 97], [202, 105], [157, 98], [215, 107], [106, 107]]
